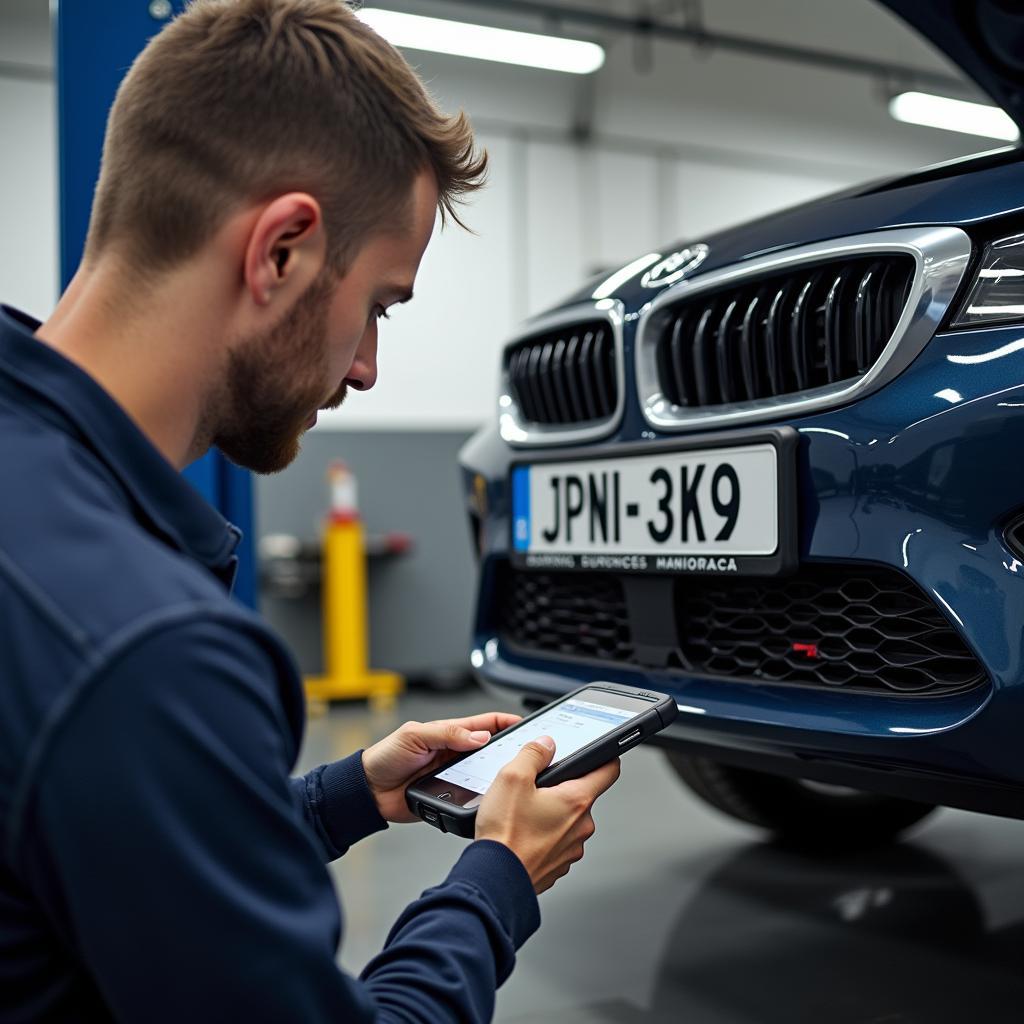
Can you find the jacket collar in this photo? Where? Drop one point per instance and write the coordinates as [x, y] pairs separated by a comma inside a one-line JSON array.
[[162, 500]]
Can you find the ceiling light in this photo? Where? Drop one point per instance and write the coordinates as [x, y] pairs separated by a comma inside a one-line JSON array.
[[439, 35], [953, 115]]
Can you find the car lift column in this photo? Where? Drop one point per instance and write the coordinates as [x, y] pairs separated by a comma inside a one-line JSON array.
[[97, 40]]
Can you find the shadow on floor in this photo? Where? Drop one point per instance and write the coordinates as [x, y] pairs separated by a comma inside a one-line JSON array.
[[775, 938]]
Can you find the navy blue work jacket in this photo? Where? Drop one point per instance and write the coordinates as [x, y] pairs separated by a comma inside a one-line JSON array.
[[157, 861]]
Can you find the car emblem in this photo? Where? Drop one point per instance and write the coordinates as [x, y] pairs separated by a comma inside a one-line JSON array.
[[675, 266]]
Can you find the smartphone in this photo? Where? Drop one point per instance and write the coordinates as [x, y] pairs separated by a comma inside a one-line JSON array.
[[590, 726]]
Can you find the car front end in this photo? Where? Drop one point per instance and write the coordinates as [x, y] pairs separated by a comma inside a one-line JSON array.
[[775, 473]]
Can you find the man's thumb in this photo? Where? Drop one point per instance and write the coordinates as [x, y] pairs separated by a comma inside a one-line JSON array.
[[538, 753]]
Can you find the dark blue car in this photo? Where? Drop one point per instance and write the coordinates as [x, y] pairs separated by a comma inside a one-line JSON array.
[[778, 472]]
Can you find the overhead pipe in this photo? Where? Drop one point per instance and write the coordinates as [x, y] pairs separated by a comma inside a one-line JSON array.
[[648, 26]]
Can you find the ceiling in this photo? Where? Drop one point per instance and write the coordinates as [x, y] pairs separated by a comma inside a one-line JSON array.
[[857, 28]]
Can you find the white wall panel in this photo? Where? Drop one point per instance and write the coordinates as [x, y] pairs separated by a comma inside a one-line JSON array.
[[438, 355], [709, 197], [554, 223], [28, 196], [625, 208]]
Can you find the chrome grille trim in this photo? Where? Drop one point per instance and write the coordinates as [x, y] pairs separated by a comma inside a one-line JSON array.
[[940, 254], [514, 422]]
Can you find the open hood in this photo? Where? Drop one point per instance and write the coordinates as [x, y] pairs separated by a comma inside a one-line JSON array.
[[984, 37]]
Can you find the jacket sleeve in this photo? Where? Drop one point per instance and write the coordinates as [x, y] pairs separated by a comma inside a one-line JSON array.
[[165, 843], [336, 801]]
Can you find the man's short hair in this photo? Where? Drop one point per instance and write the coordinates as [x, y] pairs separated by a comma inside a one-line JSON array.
[[236, 101]]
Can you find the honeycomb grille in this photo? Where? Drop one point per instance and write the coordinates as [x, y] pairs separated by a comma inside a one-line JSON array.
[[567, 614], [849, 627], [862, 627]]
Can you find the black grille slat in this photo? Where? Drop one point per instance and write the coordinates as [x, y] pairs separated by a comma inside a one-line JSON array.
[[703, 358], [566, 376], [533, 380], [723, 356], [546, 383], [833, 341], [558, 381], [579, 411], [840, 332], [864, 316], [681, 366], [750, 350], [666, 370], [791, 331], [882, 331], [603, 374], [586, 382], [774, 340], [872, 629], [803, 310]]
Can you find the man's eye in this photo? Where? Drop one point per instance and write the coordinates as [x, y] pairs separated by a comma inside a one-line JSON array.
[[381, 313]]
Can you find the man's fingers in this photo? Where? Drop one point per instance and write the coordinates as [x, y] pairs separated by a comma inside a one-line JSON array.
[[593, 784], [492, 721], [533, 757], [451, 735]]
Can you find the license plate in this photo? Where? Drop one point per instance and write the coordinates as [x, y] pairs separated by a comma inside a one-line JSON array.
[[717, 510]]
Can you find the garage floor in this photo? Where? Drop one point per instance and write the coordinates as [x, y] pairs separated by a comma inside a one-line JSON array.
[[676, 914]]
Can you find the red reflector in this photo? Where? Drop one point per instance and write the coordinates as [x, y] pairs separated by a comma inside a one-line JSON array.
[[811, 650]]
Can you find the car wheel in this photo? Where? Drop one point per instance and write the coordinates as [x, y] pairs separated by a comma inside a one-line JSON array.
[[802, 814]]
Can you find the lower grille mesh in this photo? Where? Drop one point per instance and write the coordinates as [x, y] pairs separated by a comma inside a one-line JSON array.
[[565, 613], [850, 627]]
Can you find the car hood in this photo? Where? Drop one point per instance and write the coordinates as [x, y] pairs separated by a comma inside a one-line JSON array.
[[985, 38]]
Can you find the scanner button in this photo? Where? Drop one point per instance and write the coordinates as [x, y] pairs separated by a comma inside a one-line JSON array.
[[634, 735]]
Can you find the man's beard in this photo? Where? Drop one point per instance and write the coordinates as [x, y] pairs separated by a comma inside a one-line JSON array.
[[273, 384]]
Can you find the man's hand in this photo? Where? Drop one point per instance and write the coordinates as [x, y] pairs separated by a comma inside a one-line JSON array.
[[546, 828], [418, 748]]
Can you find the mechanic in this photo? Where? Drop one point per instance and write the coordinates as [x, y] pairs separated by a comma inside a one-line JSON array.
[[271, 174]]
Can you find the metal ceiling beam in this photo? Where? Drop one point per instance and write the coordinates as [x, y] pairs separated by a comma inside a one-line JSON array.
[[826, 60]]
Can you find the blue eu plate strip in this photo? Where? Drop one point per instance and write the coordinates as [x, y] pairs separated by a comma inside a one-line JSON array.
[[521, 508]]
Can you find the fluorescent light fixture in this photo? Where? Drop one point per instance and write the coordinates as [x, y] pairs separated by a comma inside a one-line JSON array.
[[953, 115], [439, 35]]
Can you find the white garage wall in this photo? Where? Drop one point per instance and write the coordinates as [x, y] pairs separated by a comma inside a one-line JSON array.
[[28, 196], [28, 166]]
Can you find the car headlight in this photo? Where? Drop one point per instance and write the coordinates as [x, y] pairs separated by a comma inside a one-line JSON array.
[[997, 294]]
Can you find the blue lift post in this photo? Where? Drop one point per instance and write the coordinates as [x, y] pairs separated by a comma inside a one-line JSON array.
[[97, 40]]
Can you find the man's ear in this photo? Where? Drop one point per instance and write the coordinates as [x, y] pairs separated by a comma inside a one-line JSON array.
[[286, 249]]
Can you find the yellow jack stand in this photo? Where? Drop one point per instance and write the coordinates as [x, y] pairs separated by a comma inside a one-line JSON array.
[[344, 609]]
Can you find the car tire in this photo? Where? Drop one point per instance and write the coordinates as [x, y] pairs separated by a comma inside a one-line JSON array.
[[803, 815]]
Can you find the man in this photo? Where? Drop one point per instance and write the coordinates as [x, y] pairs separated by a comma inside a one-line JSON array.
[[157, 862]]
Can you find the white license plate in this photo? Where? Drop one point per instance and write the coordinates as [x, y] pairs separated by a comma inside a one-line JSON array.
[[665, 511]]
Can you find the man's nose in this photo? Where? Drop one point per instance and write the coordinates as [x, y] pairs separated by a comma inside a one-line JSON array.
[[363, 373]]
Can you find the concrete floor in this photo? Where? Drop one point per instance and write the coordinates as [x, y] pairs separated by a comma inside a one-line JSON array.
[[677, 914]]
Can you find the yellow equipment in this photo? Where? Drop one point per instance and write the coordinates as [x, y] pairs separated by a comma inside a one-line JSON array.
[[345, 632]]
